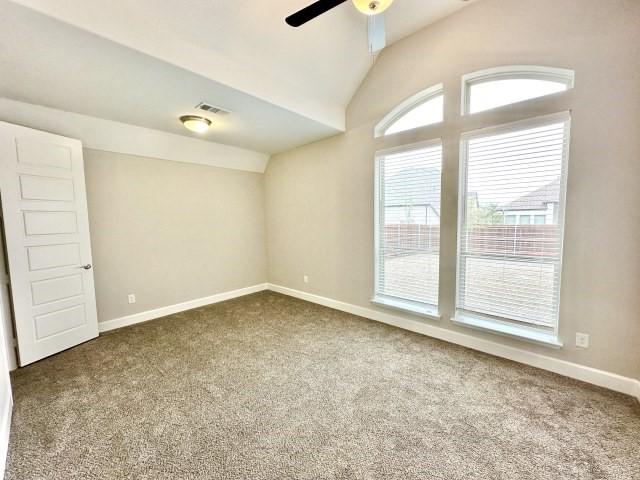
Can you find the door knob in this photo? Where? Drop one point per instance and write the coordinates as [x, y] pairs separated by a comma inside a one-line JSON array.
[[87, 266]]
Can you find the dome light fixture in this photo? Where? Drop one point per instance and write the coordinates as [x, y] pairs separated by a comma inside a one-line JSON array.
[[372, 7], [195, 123]]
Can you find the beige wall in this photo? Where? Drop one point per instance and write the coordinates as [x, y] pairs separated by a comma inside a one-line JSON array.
[[171, 232], [319, 197]]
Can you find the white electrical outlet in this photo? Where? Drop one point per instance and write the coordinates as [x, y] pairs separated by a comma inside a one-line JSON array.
[[306, 279], [132, 298], [582, 340]]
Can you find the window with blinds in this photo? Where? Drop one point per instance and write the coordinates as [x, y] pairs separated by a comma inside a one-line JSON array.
[[513, 181], [407, 236]]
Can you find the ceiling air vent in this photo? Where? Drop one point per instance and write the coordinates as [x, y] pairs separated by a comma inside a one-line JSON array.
[[207, 107]]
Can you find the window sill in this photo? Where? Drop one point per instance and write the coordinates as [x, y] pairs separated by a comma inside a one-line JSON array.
[[515, 331], [414, 308]]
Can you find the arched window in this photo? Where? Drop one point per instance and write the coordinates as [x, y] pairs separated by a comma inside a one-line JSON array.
[[424, 108], [497, 87]]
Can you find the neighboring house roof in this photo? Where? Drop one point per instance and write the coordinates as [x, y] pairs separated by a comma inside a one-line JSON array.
[[414, 186], [536, 200]]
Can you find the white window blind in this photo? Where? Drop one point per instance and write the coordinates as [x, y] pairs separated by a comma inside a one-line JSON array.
[[408, 225], [507, 269]]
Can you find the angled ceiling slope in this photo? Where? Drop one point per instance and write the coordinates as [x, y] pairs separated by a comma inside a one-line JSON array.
[[47, 62], [152, 61]]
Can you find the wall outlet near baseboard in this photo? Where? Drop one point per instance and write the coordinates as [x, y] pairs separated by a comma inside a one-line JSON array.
[[582, 340], [305, 278], [131, 297]]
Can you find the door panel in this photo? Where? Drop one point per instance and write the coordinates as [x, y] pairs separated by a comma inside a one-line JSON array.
[[48, 223], [30, 151], [46, 188], [47, 235], [53, 323], [52, 256], [54, 289]]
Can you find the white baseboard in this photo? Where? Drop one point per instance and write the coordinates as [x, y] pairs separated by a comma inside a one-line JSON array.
[[594, 376], [178, 307], [5, 426]]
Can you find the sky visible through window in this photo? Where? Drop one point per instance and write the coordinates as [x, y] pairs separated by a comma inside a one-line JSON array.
[[518, 166], [426, 113], [497, 93]]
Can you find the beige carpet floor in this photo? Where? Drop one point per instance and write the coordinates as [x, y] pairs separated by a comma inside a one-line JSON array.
[[270, 387]]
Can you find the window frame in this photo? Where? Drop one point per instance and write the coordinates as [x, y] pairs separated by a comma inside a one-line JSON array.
[[405, 107], [410, 306], [495, 324], [513, 72]]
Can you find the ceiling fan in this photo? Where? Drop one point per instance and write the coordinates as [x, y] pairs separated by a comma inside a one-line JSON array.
[[372, 8]]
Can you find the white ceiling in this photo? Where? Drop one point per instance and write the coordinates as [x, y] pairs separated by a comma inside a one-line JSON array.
[[147, 62]]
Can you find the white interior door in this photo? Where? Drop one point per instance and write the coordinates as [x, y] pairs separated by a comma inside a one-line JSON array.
[[48, 247]]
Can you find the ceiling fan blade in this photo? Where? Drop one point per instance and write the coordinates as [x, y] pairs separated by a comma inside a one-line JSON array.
[[312, 11], [377, 33]]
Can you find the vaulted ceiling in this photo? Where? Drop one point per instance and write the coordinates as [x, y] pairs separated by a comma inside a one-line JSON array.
[[147, 62]]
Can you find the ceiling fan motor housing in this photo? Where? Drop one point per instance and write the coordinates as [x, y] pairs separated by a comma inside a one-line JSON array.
[[317, 8], [372, 7]]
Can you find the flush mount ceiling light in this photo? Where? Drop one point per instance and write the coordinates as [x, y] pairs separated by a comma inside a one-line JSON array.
[[372, 7], [195, 123]]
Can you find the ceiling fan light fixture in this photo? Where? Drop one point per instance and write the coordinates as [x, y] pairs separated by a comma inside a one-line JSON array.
[[372, 7], [195, 123]]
